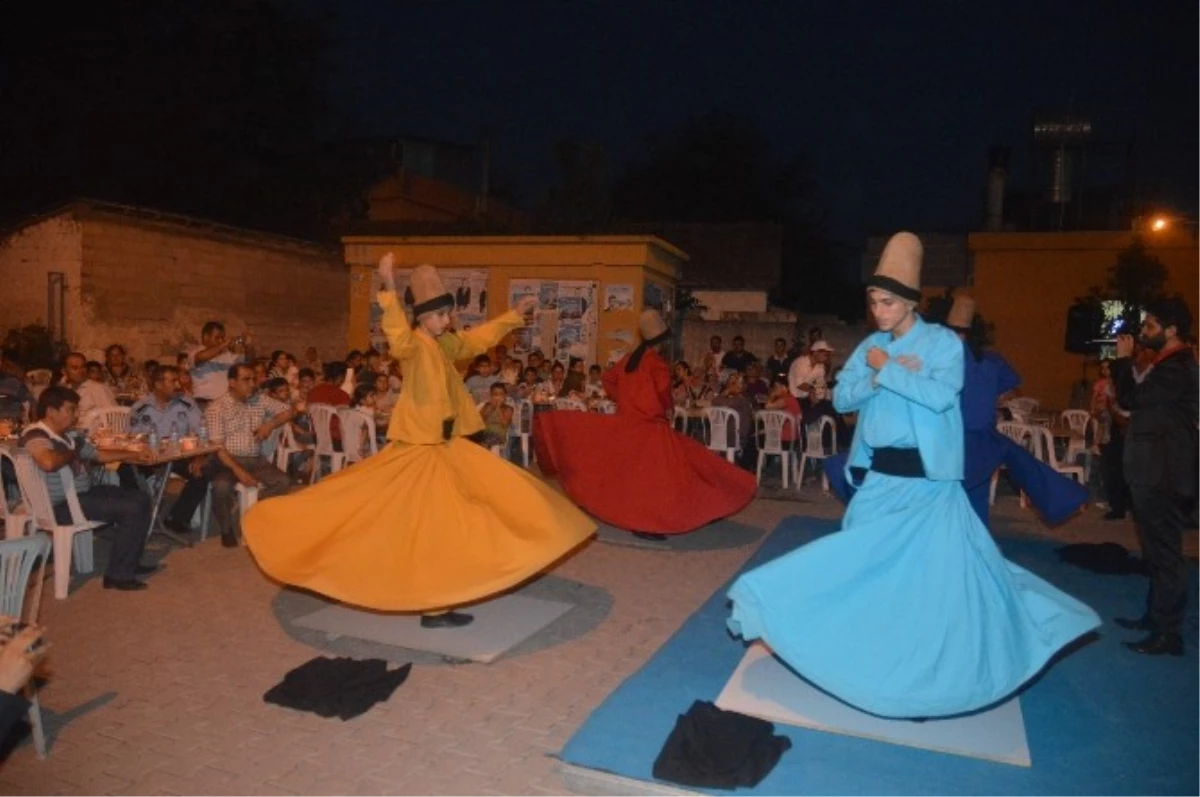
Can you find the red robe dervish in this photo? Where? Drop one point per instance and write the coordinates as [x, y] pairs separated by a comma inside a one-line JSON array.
[[632, 469]]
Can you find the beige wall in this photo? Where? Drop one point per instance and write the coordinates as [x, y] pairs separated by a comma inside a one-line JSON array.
[[1024, 283], [26, 258], [152, 286]]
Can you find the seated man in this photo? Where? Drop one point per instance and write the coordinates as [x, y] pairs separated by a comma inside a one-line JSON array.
[[93, 394], [54, 443], [238, 422], [168, 413]]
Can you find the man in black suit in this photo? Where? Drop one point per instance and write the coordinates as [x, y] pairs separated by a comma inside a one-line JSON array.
[[1160, 465]]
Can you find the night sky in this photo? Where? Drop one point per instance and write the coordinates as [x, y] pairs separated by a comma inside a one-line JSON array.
[[895, 105]]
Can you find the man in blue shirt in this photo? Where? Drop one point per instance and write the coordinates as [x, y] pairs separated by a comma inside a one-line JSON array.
[[167, 412], [15, 399]]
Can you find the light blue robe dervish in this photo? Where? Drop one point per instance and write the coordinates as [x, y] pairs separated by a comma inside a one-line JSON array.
[[910, 610]]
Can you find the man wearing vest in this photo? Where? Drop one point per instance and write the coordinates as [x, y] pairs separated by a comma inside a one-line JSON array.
[[54, 444]]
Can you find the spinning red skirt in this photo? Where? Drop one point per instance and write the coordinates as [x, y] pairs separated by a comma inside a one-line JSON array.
[[631, 469]]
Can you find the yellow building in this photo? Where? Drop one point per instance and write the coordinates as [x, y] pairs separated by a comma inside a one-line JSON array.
[[591, 288], [1025, 282]]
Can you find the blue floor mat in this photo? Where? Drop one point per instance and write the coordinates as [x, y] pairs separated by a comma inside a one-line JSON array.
[[1101, 720]]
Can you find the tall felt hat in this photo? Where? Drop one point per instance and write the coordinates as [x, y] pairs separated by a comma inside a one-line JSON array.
[[899, 269], [429, 294], [652, 326], [962, 312]]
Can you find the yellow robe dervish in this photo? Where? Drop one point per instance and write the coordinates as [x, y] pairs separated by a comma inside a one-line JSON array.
[[429, 522]]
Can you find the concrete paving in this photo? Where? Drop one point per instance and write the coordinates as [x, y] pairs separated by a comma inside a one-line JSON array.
[[161, 691]]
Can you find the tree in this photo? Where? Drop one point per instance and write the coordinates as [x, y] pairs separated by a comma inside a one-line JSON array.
[[1136, 279], [213, 109]]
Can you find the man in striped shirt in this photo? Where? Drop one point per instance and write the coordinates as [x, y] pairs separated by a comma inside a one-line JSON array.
[[55, 444], [210, 361]]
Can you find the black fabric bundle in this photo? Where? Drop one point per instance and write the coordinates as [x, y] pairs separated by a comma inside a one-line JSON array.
[[341, 687], [1105, 557], [718, 749]]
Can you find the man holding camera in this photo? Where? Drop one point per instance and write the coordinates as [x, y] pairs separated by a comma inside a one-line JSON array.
[[1160, 465], [210, 361]]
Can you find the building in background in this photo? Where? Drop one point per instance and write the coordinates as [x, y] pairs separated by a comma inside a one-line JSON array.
[[98, 273], [590, 288]]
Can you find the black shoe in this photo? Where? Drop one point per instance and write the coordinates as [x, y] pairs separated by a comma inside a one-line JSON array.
[[229, 540], [447, 620], [1158, 644], [1112, 515], [174, 526], [1140, 624], [645, 535], [124, 584], [145, 570]]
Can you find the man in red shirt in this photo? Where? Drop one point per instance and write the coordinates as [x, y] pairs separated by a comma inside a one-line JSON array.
[[330, 392]]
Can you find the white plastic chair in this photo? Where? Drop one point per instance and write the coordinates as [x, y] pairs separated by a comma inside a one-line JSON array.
[[17, 522], [679, 419], [246, 498], [1022, 434], [286, 445], [353, 423], [720, 421], [1081, 423], [1045, 445], [525, 427], [72, 540], [570, 404], [1023, 407], [17, 560], [322, 418], [606, 407], [770, 424], [815, 448], [113, 418]]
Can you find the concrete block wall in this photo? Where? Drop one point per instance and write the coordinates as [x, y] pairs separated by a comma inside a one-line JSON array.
[[153, 286], [27, 257]]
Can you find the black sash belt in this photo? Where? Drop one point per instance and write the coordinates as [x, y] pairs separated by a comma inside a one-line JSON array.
[[905, 462], [447, 428]]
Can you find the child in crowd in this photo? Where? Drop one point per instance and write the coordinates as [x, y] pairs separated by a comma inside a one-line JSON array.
[[363, 401], [497, 416], [479, 378], [594, 388]]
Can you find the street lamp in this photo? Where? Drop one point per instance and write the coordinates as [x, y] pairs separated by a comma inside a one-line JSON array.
[[1160, 223]]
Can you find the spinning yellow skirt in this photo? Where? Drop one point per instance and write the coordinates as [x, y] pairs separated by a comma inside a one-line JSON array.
[[416, 528]]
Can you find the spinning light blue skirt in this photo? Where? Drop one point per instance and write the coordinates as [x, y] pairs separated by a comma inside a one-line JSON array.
[[910, 610]]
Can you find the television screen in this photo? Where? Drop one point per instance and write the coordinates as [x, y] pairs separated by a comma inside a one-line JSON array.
[[1114, 315]]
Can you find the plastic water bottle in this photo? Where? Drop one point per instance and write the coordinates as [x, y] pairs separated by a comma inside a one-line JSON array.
[[202, 433], [174, 442], [153, 440]]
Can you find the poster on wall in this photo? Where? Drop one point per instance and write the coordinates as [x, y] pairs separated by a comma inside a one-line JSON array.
[[468, 287], [618, 297]]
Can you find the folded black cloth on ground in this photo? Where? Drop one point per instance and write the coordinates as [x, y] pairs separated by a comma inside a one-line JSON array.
[[341, 687], [718, 749], [1104, 557]]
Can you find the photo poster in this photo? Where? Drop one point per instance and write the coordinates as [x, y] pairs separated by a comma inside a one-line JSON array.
[[618, 297], [564, 325], [467, 286]]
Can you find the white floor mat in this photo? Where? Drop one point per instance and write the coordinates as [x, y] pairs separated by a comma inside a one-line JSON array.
[[764, 687], [499, 625]]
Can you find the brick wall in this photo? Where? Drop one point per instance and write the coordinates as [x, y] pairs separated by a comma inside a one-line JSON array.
[[151, 286], [26, 258]]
